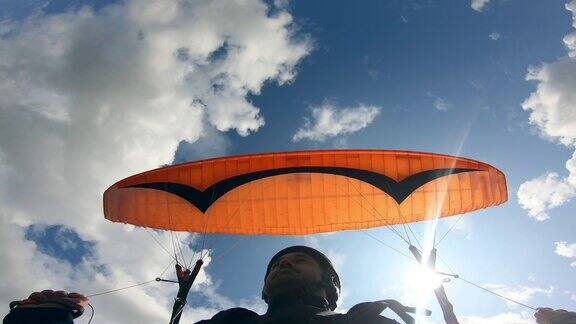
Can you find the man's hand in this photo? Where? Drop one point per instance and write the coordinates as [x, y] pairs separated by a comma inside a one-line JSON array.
[[54, 299], [552, 316], [446, 306], [182, 275]]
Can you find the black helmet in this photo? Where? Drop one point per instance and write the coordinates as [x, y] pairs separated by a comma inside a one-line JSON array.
[[330, 279]]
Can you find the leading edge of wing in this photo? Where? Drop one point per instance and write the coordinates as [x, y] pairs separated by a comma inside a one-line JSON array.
[[399, 191]]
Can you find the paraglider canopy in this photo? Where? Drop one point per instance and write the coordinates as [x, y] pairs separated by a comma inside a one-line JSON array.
[[295, 193]]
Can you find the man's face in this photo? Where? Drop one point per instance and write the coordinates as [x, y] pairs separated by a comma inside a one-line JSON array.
[[292, 271]]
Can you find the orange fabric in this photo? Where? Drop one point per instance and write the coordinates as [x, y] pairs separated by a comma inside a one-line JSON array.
[[304, 203]]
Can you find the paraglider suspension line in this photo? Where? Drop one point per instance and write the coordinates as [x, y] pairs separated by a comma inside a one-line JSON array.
[[115, 290], [449, 230], [497, 294], [387, 245], [160, 244], [131, 286], [381, 217], [92, 314]]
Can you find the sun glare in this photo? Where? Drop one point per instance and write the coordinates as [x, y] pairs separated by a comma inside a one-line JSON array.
[[420, 284], [422, 280]]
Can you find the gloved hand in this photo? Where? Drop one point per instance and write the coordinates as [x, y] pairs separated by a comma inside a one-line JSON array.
[[54, 299]]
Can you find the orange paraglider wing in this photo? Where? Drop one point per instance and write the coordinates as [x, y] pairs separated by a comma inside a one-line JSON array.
[[305, 192]]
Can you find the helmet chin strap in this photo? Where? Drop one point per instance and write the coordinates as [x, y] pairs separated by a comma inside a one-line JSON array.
[[309, 289], [306, 296]]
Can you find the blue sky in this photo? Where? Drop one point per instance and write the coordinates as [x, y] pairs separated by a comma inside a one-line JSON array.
[[94, 92]]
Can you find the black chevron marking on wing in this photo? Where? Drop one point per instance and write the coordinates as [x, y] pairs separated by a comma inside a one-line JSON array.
[[399, 191]]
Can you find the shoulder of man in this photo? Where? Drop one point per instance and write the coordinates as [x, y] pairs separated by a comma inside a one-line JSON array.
[[233, 316], [363, 313]]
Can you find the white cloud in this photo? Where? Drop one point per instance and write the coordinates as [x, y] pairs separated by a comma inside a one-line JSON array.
[[374, 73], [89, 97], [566, 250], [330, 121], [544, 193], [552, 108], [439, 103], [479, 5], [495, 36], [23, 261], [570, 39], [508, 318], [520, 294]]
